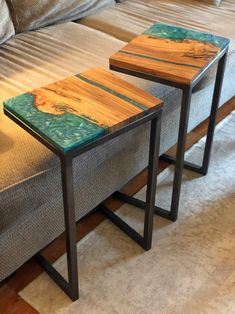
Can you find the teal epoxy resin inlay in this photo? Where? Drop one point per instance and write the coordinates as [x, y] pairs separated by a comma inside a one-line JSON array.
[[113, 92], [157, 59], [177, 33], [66, 131]]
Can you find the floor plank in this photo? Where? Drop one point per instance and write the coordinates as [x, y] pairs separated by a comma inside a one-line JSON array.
[[11, 303]]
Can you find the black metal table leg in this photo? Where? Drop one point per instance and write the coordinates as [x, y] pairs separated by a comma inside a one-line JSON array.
[[146, 240], [183, 127], [213, 114], [151, 181], [70, 287], [203, 169]]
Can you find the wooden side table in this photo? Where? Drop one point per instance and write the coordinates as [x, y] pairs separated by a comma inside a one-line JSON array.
[[177, 57], [71, 117]]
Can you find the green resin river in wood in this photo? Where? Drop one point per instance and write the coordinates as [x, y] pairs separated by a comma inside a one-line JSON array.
[[170, 53], [178, 33], [66, 131]]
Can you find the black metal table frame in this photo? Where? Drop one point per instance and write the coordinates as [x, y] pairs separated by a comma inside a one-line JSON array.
[[71, 287], [179, 161]]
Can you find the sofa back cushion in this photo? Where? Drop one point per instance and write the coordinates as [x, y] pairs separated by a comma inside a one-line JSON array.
[[32, 14], [6, 25]]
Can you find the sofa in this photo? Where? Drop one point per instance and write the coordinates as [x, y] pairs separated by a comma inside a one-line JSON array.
[[31, 210]]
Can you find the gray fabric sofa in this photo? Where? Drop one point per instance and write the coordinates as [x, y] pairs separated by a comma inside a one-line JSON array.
[[31, 212]]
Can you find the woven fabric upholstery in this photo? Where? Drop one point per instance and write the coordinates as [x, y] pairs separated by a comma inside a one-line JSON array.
[[31, 212]]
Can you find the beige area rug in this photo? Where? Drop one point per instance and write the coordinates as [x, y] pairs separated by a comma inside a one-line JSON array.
[[191, 267]]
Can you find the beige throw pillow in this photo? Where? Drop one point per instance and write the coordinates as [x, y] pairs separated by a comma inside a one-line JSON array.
[[32, 14], [6, 25]]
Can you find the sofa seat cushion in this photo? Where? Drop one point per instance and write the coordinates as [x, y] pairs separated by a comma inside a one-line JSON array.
[[28, 61], [132, 17]]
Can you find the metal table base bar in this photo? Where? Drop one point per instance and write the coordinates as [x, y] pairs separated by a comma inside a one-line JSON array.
[[124, 226], [141, 204], [52, 272], [187, 165]]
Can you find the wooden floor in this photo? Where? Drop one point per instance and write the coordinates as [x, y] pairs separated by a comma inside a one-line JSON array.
[[11, 302]]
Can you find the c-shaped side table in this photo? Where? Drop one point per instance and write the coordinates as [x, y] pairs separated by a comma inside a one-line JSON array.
[[75, 115], [180, 58]]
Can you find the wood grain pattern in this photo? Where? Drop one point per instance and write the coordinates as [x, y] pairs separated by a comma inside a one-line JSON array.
[[78, 109], [170, 53]]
